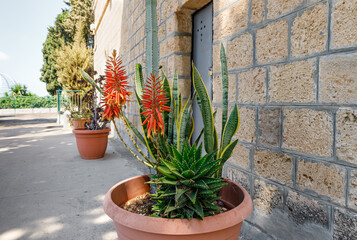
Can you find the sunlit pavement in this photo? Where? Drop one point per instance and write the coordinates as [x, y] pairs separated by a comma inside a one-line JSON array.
[[46, 190]]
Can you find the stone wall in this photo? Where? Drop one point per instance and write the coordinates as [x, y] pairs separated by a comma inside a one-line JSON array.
[[293, 72]]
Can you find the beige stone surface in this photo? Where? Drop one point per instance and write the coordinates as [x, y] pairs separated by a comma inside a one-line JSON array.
[[325, 180], [167, 8], [220, 4], [240, 156], [293, 82], [232, 20], [352, 196], [180, 63], [240, 52], [308, 131], [309, 31], [257, 11], [161, 32], [216, 58], [252, 86], [266, 196], [278, 8], [247, 127], [338, 78], [274, 166], [163, 63], [180, 22], [344, 22], [269, 126], [175, 44], [346, 135], [217, 88], [272, 42], [194, 4]]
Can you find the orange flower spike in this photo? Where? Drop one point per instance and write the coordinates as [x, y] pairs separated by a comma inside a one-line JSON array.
[[154, 104], [115, 93]]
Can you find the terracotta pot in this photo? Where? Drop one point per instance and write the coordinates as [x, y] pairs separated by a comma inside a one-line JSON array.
[[79, 123], [131, 226], [91, 144]]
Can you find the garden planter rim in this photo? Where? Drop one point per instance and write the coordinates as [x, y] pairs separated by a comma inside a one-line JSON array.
[[85, 131], [178, 226]]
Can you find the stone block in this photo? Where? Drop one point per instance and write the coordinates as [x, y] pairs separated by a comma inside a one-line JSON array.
[[345, 225], [352, 195], [266, 197], [167, 8], [239, 177], [272, 42], [269, 126], [303, 210], [162, 32], [252, 86], [246, 131], [180, 22], [257, 11], [216, 58], [240, 157], [308, 131], [344, 22], [240, 52], [327, 180], [309, 31], [278, 8], [196, 4], [346, 135], [293, 82], [338, 78], [181, 44], [220, 4], [217, 88], [231, 21], [180, 63], [163, 63], [277, 167]]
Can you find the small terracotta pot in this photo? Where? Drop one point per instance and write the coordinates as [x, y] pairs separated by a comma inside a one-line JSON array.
[[131, 226], [79, 123], [91, 144]]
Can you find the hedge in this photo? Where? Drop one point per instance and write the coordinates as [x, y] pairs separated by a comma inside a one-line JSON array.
[[28, 102]]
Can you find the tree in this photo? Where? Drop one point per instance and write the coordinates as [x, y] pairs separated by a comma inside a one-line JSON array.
[[62, 34], [18, 90]]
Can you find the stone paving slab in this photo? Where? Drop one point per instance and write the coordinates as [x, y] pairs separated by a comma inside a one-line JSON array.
[[46, 190]]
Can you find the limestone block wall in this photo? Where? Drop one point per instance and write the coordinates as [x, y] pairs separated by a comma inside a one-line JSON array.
[[293, 72]]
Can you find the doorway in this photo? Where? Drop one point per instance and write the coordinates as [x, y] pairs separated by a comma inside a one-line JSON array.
[[202, 41]]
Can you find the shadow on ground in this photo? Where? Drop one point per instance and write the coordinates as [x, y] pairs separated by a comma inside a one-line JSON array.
[[47, 191]]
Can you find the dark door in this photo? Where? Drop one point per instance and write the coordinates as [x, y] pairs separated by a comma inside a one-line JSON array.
[[202, 57]]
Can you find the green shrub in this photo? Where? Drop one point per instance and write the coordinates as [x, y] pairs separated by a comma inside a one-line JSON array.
[[28, 102]]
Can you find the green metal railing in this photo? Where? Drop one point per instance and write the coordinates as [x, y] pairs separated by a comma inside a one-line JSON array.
[[68, 99]]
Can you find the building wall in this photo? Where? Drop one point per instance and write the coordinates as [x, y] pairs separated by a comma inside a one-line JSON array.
[[293, 72]]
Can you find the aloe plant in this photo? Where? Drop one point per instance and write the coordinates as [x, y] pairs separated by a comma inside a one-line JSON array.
[[186, 188], [187, 183]]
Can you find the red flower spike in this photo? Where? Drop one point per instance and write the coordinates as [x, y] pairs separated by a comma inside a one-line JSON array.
[[154, 102], [115, 93]]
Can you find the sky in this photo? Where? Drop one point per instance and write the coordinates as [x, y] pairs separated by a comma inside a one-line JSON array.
[[23, 30]]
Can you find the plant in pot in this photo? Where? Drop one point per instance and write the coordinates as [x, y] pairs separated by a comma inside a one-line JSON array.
[[92, 139], [191, 200], [78, 115]]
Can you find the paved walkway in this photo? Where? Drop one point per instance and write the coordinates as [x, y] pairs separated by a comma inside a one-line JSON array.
[[46, 190]]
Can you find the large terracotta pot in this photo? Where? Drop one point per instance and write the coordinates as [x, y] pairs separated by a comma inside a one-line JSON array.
[[79, 123], [131, 226], [91, 144]]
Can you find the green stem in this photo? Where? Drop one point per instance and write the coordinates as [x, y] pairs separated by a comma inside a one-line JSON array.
[[131, 151], [135, 144]]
